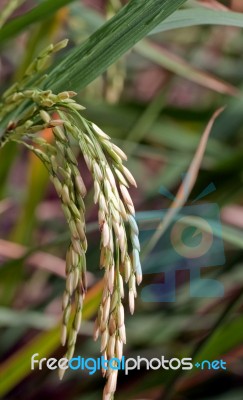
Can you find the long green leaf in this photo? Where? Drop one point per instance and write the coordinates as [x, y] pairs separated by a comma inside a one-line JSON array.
[[90, 59], [199, 16], [111, 41], [44, 10], [163, 56]]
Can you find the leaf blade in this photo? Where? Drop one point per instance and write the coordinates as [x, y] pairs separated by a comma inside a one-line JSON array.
[[107, 44], [195, 17]]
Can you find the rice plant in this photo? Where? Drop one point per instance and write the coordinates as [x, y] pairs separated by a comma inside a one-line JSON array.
[[128, 94]]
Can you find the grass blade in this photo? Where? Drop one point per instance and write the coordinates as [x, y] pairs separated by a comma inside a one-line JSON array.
[[107, 44], [199, 16], [186, 187], [118, 35]]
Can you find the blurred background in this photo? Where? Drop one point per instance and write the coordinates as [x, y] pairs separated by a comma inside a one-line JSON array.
[[155, 103]]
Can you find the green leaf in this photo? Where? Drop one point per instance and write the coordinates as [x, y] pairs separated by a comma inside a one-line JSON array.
[[164, 57], [107, 44], [44, 10], [186, 18], [90, 59], [225, 338]]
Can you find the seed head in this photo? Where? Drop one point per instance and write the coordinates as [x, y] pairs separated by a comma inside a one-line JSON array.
[[115, 206]]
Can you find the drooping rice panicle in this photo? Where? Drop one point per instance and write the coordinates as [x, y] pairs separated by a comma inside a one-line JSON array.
[[119, 251]]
